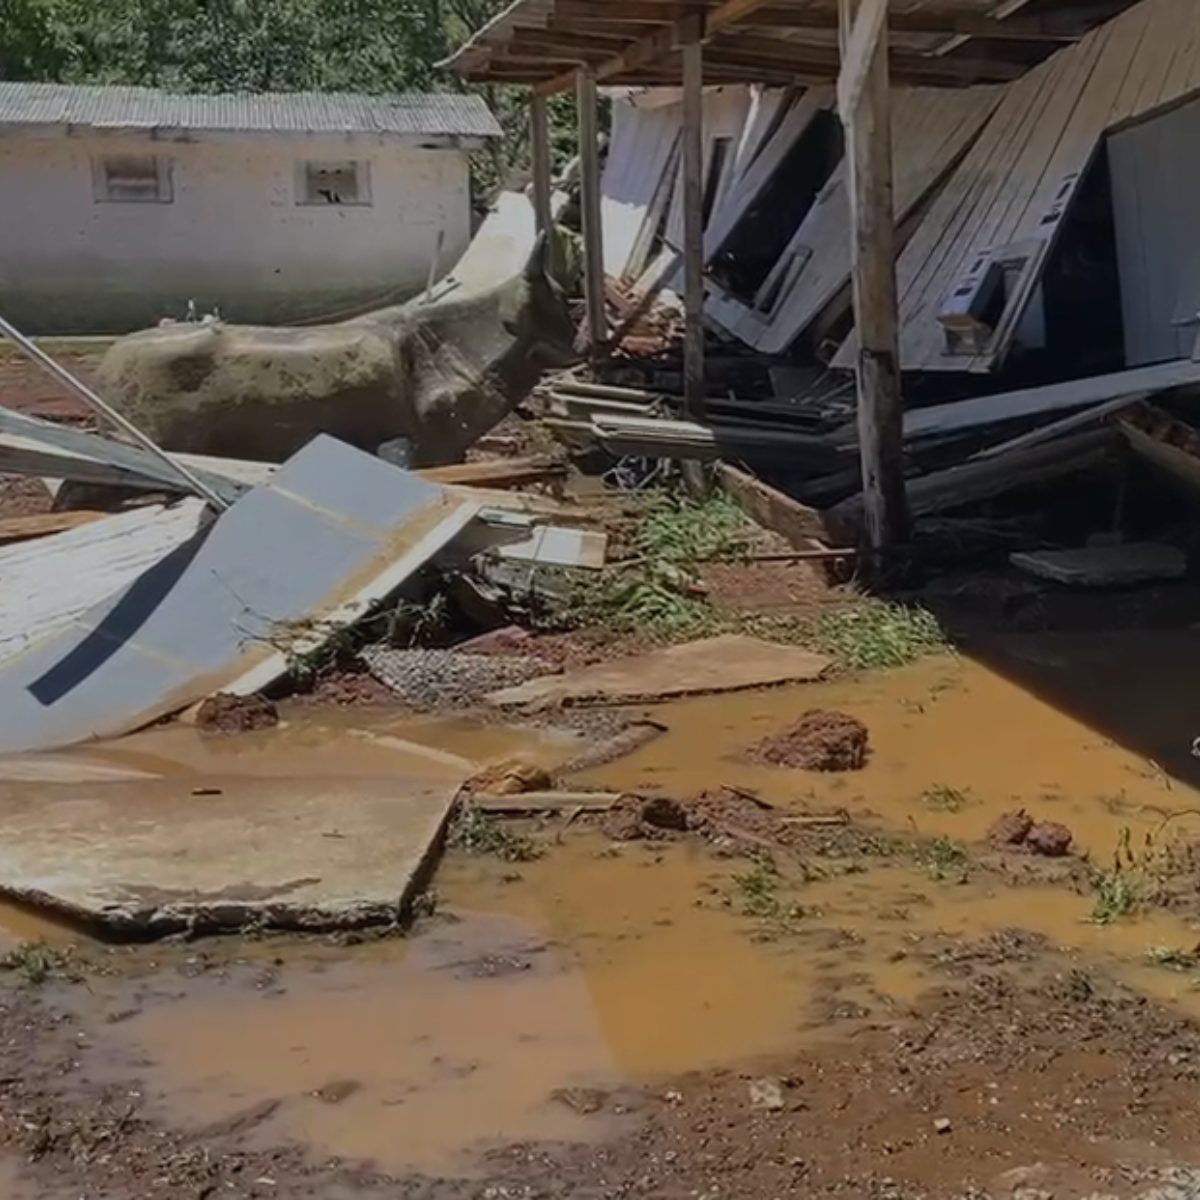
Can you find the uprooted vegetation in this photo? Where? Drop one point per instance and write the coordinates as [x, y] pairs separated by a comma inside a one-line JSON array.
[[658, 592]]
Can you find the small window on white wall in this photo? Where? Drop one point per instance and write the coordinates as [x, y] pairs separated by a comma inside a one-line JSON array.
[[133, 178], [333, 183]]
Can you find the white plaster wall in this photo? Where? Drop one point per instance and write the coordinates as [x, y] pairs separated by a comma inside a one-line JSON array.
[[233, 236]]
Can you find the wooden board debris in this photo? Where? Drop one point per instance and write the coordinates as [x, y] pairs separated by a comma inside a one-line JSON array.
[[1007, 200], [1104, 566]]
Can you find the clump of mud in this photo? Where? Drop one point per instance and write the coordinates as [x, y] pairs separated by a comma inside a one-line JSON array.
[[1017, 829], [512, 777], [224, 713], [722, 815], [822, 740]]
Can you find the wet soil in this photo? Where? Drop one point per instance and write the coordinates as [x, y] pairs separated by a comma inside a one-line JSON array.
[[28, 389], [820, 740], [745, 1004]]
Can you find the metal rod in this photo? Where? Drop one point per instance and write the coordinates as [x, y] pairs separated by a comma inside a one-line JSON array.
[[37, 355]]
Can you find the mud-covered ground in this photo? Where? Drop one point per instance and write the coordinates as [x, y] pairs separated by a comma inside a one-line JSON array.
[[1016, 1075]]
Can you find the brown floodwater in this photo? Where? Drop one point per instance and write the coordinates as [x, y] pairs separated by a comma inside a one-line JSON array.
[[598, 966]]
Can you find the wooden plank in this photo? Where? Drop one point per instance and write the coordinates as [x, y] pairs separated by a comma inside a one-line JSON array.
[[802, 527], [971, 482], [589, 186], [693, 220], [498, 473], [1015, 186], [1046, 433], [36, 525], [858, 53], [941, 419], [539, 141], [873, 274]]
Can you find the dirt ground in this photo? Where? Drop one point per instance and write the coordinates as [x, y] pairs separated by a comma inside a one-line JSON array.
[[1017, 1076], [28, 389]]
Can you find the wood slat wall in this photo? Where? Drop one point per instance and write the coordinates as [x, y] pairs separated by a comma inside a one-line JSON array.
[[1015, 185]]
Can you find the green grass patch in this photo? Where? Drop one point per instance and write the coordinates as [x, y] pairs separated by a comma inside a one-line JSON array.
[[877, 633], [940, 797], [945, 858], [35, 962], [1117, 895], [676, 529]]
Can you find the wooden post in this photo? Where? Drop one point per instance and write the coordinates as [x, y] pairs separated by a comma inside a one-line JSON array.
[[589, 187], [866, 117], [539, 141], [691, 50]]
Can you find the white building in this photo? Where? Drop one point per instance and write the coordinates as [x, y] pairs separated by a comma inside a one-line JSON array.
[[118, 206]]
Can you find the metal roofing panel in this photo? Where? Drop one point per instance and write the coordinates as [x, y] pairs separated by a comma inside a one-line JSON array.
[[414, 115]]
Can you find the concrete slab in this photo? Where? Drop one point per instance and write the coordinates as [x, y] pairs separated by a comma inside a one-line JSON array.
[[719, 664], [142, 859], [1104, 566]]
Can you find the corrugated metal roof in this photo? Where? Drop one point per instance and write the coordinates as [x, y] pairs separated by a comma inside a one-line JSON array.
[[272, 112]]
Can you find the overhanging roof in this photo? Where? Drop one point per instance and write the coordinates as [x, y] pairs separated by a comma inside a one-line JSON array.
[[933, 42]]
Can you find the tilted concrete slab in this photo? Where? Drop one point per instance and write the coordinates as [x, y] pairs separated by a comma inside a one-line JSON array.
[[141, 859]]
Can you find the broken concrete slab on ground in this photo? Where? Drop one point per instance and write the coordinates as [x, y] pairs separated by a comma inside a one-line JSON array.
[[146, 858], [729, 662]]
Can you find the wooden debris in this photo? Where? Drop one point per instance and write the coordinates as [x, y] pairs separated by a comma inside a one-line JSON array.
[[971, 482], [1104, 566], [21, 529], [544, 802]]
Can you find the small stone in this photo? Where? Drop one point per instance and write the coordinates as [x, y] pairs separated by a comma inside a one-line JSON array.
[[941, 1125], [1049, 838], [1010, 828], [767, 1094]]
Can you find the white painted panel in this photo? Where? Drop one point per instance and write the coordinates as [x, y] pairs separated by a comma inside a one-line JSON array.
[[232, 236], [1155, 168]]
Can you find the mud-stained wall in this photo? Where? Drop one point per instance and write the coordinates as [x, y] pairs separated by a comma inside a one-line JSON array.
[[232, 234]]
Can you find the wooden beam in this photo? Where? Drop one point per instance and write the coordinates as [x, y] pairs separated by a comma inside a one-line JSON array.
[[873, 276], [539, 141], [660, 42], [589, 187], [693, 218]]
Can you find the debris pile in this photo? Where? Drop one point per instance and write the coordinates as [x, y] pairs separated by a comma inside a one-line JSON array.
[[1016, 829], [223, 713], [821, 740]]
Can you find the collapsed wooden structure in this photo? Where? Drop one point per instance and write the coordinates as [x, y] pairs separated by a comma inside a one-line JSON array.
[[874, 61]]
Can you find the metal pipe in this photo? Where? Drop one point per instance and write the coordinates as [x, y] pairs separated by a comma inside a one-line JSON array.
[[37, 355]]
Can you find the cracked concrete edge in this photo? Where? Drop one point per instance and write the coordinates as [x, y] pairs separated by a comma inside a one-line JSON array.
[[133, 923]]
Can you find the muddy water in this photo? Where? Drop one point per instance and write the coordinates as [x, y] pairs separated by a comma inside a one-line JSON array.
[[953, 745], [597, 966]]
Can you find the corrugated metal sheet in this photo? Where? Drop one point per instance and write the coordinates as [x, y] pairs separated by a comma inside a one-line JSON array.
[[280, 112]]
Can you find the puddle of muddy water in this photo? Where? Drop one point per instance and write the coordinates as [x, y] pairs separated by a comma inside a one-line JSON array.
[[595, 967], [952, 746]]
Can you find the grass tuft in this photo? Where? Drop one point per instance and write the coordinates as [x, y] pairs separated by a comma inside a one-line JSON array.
[[35, 961], [878, 633], [1117, 895], [941, 797], [759, 891]]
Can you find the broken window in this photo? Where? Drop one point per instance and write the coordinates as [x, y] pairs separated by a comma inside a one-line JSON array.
[[132, 178], [334, 183], [751, 256]]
